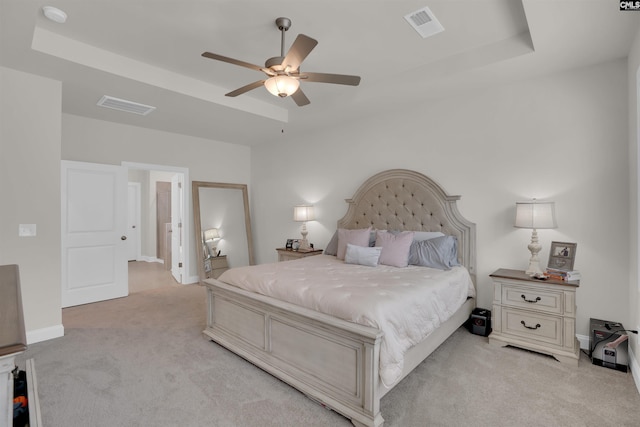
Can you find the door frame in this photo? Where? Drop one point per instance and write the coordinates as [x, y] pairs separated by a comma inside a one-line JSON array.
[[186, 211], [135, 234]]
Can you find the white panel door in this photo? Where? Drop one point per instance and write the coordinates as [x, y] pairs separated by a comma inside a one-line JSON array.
[[94, 222], [177, 257]]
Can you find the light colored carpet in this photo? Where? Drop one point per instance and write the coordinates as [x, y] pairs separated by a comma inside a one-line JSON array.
[[144, 276], [142, 361]]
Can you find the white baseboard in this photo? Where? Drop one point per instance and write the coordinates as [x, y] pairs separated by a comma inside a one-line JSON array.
[[151, 259], [635, 368], [45, 334], [191, 280], [584, 341]]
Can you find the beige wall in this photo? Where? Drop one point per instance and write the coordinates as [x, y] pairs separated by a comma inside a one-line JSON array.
[[634, 160], [30, 111], [98, 141], [34, 137], [562, 137]]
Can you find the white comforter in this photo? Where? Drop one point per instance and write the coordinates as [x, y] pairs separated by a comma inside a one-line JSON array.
[[407, 304]]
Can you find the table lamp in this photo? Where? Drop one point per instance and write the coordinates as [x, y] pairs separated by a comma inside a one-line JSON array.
[[303, 213], [535, 214]]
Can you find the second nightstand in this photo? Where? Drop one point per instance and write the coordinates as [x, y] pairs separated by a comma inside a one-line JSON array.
[[288, 254], [215, 266], [538, 315]]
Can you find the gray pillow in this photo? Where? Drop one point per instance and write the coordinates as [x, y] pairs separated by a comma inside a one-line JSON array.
[[332, 246], [439, 252]]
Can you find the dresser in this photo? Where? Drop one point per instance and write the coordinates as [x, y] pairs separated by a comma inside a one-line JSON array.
[[537, 315], [288, 254], [215, 266], [13, 343]]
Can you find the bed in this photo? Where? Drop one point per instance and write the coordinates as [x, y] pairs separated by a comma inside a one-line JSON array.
[[332, 360]]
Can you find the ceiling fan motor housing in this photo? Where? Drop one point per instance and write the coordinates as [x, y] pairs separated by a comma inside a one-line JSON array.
[[275, 63]]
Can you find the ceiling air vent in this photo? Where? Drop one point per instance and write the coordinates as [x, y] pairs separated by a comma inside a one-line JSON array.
[[424, 22], [124, 105]]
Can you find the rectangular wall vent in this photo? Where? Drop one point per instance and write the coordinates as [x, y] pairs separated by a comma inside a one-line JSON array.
[[124, 105], [424, 22]]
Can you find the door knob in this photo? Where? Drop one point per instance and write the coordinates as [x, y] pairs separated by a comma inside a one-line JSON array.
[[123, 238]]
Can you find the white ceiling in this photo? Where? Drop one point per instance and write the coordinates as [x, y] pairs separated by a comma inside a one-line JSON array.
[[149, 51]]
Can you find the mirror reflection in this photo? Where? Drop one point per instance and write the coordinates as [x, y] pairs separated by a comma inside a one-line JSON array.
[[222, 227]]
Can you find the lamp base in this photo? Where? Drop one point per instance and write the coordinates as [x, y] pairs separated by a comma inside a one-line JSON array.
[[534, 269], [535, 248], [304, 243]]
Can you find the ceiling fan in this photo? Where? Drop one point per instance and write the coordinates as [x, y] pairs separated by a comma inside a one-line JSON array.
[[283, 72]]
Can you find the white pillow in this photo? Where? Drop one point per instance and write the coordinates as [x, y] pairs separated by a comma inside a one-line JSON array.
[[362, 255]]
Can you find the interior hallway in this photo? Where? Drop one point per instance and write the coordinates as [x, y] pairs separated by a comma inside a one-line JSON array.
[[149, 275]]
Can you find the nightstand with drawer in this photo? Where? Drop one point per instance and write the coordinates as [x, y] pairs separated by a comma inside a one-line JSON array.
[[537, 315], [288, 254], [215, 266]]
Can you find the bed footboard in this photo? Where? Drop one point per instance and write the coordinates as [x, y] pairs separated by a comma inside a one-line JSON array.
[[330, 360]]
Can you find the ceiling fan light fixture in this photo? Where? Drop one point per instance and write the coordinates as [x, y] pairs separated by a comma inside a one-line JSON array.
[[282, 86]]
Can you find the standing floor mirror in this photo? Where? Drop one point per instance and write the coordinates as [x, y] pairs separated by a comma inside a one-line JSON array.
[[222, 227]]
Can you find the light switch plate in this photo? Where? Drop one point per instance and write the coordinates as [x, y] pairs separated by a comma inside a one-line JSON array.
[[27, 230]]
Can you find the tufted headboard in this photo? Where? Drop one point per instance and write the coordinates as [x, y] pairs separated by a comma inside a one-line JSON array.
[[399, 199]]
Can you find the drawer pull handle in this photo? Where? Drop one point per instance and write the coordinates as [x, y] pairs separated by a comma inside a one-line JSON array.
[[530, 300], [530, 327]]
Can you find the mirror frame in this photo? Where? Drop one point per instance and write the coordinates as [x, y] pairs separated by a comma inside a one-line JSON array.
[[195, 188]]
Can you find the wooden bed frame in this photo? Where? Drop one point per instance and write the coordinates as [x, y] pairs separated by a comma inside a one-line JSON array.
[[331, 360]]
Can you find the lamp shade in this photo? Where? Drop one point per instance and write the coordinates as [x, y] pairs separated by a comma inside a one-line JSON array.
[[535, 214], [211, 234], [303, 213], [282, 86]]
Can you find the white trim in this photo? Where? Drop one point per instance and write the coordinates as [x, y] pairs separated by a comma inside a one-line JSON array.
[[635, 368], [151, 259], [191, 280], [186, 207], [637, 110], [138, 217], [584, 341], [45, 334]]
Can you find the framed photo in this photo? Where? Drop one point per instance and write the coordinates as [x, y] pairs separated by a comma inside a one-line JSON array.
[[289, 244], [562, 255]]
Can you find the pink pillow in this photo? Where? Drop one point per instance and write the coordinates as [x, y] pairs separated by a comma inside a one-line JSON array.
[[359, 237], [395, 247]]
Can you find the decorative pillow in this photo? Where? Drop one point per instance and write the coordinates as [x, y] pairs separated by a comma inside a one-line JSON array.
[[361, 255], [332, 246], [395, 247], [358, 237], [439, 252]]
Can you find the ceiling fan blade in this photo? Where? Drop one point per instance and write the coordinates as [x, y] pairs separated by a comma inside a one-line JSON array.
[[339, 79], [300, 98], [301, 47], [246, 88], [231, 61]]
